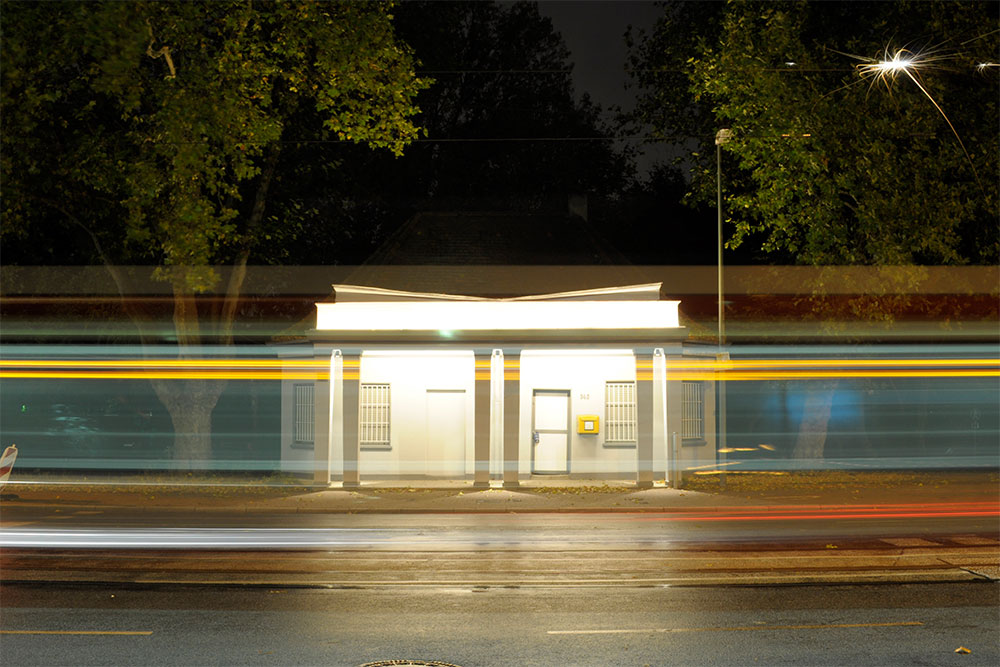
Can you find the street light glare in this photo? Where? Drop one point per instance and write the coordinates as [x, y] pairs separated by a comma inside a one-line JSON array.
[[908, 62], [897, 64], [890, 66]]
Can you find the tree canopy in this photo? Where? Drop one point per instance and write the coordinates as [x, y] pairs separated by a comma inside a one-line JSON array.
[[155, 126], [155, 129], [504, 131], [830, 163]]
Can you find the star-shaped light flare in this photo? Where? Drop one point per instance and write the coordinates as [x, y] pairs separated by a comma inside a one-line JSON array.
[[903, 61]]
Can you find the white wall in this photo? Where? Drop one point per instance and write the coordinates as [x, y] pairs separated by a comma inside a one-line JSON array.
[[295, 458], [583, 373], [410, 375]]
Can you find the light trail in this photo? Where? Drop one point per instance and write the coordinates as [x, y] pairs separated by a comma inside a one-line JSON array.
[[418, 538], [829, 515], [816, 512], [277, 369]]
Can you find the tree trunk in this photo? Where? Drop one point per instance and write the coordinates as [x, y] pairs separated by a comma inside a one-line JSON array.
[[811, 440], [190, 404]]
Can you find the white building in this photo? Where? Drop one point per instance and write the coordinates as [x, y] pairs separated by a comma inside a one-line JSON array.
[[414, 385]]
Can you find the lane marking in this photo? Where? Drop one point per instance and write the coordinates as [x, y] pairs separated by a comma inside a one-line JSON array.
[[740, 628], [77, 632]]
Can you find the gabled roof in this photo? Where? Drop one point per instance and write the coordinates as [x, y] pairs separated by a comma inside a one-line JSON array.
[[359, 293], [606, 315]]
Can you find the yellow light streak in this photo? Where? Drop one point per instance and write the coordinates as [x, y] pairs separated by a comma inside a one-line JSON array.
[[739, 472], [172, 375], [726, 370], [735, 376], [819, 363], [170, 363], [714, 465]]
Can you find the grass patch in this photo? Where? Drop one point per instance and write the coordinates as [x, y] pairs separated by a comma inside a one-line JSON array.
[[579, 490], [838, 480], [220, 485]]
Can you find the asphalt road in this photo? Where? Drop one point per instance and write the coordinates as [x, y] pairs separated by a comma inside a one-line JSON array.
[[491, 549], [478, 626], [758, 525]]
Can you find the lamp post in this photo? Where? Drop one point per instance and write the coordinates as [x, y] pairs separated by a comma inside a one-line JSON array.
[[721, 137]]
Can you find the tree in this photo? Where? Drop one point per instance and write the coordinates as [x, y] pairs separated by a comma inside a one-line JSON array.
[[504, 91], [824, 167], [155, 128], [504, 130]]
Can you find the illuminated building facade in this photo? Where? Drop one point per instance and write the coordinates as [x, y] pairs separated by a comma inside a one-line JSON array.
[[497, 389]]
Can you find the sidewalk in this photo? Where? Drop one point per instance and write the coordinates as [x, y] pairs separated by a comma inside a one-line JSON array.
[[761, 490]]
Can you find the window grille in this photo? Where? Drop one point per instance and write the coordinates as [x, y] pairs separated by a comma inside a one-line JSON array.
[[693, 411], [619, 412], [374, 418], [304, 411]]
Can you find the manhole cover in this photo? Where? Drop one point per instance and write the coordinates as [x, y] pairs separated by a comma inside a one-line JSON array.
[[408, 663]]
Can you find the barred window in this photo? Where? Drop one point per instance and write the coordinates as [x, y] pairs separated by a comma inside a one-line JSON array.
[[304, 409], [693, 411], [619, 412], [374, 418]]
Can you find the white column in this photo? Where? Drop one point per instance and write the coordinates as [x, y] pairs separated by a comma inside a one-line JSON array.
[[511, 418], [335, 426], [661, 439], [496, 414], [321, 430], [644, 410]]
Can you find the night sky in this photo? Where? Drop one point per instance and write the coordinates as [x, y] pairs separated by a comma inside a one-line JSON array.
[[595, 34], [594, 31]]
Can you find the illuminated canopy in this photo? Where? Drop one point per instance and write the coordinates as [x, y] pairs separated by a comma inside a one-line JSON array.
[[633, 308]]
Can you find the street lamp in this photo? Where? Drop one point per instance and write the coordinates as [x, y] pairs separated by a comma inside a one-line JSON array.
[[721, 137]]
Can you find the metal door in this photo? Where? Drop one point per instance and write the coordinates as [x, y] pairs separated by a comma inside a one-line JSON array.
[[550, 432]]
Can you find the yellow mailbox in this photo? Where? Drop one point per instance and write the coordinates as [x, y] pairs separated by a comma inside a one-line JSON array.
[[588, 424]]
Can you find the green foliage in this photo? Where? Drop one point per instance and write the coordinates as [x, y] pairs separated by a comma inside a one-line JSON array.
[[151, 125], [824, 166], [495, 119]]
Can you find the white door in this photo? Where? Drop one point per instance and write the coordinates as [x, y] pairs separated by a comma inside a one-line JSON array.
[[446, 432], [550, 432]]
